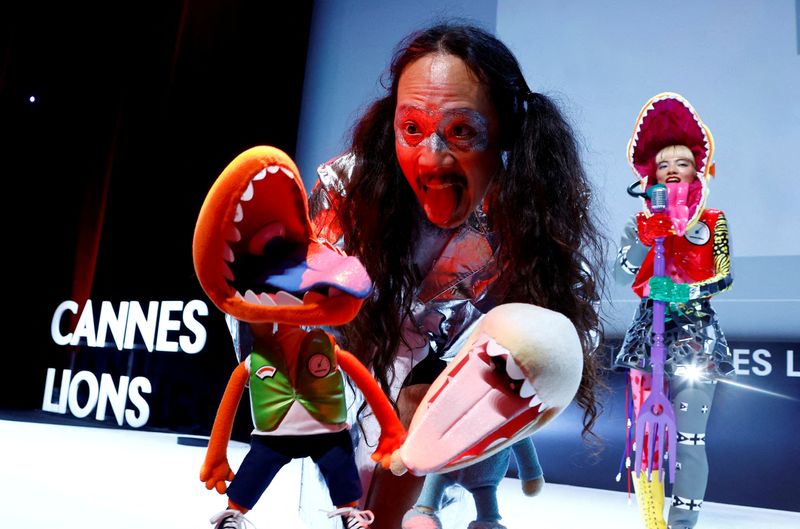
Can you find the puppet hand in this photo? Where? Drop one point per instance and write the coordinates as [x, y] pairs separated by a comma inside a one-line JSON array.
[[664, 289], [388, 444], [397, 466], [532, 487], [657, 225], [215, 474]]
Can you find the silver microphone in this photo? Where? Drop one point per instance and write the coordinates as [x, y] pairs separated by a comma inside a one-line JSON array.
[[658, 198]]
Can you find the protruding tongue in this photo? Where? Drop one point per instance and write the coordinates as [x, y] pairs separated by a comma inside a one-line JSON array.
[[445, 203]]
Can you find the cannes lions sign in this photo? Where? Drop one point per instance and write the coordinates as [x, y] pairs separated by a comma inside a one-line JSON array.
[[166, 326]]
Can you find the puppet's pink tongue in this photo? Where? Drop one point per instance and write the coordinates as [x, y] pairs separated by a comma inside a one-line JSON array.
[[443, 203]]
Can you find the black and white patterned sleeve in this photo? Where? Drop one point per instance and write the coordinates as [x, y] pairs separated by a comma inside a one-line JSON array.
[[723, 277], [631, 254]]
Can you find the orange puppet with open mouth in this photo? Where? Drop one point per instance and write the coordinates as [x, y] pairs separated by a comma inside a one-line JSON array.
[[257, 260]]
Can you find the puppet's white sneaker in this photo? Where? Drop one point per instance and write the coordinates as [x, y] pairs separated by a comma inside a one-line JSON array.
[[353, 518], [415, 518], [230, 519]]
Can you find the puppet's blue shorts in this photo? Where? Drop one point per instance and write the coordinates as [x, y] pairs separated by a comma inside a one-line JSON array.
[[332, 452]]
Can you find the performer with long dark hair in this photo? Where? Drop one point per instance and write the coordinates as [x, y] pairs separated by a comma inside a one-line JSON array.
[[462, 189]]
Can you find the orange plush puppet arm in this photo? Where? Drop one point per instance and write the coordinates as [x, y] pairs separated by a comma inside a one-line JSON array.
[[392, 432], [216, 470]]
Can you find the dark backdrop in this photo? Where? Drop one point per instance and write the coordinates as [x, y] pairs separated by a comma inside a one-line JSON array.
[[138, 107]]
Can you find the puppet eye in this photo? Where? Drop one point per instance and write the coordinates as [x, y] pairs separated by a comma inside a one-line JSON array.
[[269, 232]]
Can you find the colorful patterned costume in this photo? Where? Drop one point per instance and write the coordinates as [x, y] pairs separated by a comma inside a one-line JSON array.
[[692, 333], [696, 351]]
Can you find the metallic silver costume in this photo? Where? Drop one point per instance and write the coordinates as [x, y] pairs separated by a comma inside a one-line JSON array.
[[461, 280], [460, 284]]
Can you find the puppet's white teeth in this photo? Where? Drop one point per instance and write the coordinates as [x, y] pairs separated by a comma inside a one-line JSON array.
[[495, 349], [265, 299], [239, 213], [226, 272], [232, 234], [499, 440], [287, 172], [534, 401], [284, 298], [250, 297], [513, 370], [248, 193], [260, 176], [527, 389], [481, 340], [272, 169], [227, 254], [239, 295]]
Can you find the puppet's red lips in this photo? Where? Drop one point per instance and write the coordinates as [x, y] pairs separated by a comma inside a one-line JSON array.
[[483, 401], [673, 180], [520, 368]]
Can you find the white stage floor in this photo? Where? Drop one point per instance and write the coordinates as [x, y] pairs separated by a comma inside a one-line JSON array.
[[79, 477]]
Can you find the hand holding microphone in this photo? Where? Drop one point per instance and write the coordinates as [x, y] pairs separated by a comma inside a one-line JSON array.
[[659, 224]]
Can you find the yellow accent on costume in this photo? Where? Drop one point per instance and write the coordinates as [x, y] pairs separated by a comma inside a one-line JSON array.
[[650, 497], [722, 258]]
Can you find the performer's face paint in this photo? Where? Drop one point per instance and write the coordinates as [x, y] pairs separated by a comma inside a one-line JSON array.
[[446, 137], [673, 166]]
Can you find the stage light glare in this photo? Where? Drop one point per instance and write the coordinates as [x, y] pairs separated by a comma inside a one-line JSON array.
[[692, 372], [757, 390]]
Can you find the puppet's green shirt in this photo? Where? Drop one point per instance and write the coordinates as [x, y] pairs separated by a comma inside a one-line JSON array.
[[319, 386]]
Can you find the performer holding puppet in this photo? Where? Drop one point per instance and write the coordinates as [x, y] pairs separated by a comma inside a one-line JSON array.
[[672, 147]]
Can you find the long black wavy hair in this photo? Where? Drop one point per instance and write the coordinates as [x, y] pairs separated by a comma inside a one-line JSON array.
[[550, 249]]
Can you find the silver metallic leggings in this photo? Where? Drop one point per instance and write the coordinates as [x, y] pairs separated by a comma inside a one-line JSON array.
[[691, 401]]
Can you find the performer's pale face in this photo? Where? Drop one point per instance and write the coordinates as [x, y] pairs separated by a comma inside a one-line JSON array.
[[674, 167], [446, 137]]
